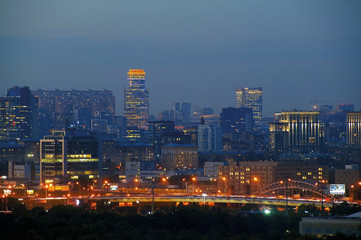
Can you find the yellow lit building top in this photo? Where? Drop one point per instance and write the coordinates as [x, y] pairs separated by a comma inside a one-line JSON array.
[[136, 74]]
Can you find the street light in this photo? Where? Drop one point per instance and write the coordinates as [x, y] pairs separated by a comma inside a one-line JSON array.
[[153, 185], [323, 182], [46, 190], [204, 195], [257, 180]]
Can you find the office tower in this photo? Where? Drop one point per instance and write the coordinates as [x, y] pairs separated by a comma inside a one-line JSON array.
[[175, 112], [251, 98], [236, 121], [136, 103], [186, 112], [209, 138], [296, 131], [353, 132], [179, 156], [278, 139], [158, 133], [180, 112], [18, 114], [70, 154]]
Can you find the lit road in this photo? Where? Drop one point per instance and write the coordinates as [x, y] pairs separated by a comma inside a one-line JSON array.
[[214, 199], [266, 201]]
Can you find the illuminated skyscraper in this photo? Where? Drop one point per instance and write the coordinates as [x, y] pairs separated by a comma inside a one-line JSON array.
[[70, 154], [136, 103], [295, 131], [354, 129], [18, 112], [251, 98]]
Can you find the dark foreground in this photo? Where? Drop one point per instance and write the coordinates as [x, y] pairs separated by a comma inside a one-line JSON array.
[[182, 222]]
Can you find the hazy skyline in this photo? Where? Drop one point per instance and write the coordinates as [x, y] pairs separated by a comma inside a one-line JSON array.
[[191, 51]]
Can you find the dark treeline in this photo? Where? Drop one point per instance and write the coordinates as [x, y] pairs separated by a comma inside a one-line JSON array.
[[182, 222]]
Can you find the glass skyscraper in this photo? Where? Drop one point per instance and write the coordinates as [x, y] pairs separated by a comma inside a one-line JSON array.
[[136, 103], [18, 112], [251, 98]]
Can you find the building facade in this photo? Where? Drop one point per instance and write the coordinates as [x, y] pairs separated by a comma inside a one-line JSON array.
[[18, 114], [296, 131], [244, 178], [250, 98], [136, 103], [236, 121], [209, 138], [353, 129], [179, 156], [70, 154]]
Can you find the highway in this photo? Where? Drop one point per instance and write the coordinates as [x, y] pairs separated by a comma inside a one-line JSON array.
[[271, 201], [147, 198]]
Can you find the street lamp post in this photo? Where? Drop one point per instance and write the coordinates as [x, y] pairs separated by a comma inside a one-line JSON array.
[[46, 190], [152, 209], [204, 195], [322, 187], [287, 198]]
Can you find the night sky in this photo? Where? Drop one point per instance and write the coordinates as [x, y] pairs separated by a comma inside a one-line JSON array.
[[191, 51]]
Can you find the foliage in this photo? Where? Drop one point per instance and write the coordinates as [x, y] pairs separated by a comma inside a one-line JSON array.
[[182, 222]]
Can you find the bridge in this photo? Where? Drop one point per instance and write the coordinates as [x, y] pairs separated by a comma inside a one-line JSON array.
[[270, 201], [291, 184], [228, 201]]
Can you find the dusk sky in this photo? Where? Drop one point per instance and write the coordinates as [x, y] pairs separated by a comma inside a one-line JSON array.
[[191, 51]]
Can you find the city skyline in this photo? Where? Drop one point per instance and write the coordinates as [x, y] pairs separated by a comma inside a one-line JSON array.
[[297, 52]]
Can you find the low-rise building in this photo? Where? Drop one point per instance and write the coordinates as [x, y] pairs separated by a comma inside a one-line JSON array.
[[179, 156], [348, 225], [245, 177]]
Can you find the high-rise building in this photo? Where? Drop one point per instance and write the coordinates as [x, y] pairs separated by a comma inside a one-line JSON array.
[[250, 98], [209, 138], [18, 113], [186, 112], [136, 103], [179, 113], [70, 154], [236, 121], [157, 134], [296, 131], [354, 129], [179, 156]]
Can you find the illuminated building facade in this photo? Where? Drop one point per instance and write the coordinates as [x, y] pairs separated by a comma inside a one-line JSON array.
[[136, 103], [70, 154], [353, 132], [18, 112], [250, 98], [307, 171], [251, 176], [295, 131], [245, 177], [179, 156]]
